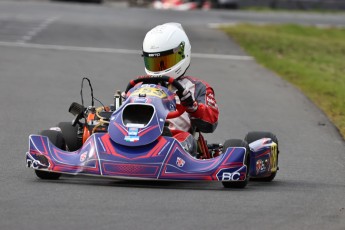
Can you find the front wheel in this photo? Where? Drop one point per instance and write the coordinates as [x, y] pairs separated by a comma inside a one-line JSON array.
[[254, 136], [237, 143], [56, 139], [70, 135]]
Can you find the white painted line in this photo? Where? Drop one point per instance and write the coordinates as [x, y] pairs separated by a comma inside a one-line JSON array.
[[340, 164], [116, 51], [222, 56], [258, 23], [217, 25], [69, 48], [34, 31]]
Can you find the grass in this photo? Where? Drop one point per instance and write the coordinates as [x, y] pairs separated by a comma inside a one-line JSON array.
[[302, 11], [311, 58]]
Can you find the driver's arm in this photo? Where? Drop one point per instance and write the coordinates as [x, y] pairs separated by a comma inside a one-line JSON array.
[[205, 117]]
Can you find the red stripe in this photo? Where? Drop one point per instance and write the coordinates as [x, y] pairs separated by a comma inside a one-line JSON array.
[[44, 146], [119, 127], [108, 146], [264, 153], [154, 152]]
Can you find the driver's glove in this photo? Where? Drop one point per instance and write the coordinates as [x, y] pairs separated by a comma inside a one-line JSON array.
[[188, 101]]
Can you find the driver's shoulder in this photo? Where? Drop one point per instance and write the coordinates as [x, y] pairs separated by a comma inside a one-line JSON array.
[[185, 80], [190, 78]]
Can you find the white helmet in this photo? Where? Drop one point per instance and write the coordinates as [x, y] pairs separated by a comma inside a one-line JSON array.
[[166, 50]]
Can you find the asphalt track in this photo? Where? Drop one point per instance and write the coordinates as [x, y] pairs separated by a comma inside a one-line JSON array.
[[45, 50]]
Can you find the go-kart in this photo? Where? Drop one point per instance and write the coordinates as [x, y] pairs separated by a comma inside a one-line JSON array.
[[131, 140]]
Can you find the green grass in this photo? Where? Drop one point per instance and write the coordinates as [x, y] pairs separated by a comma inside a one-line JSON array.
[[313, 59], [302, 11]]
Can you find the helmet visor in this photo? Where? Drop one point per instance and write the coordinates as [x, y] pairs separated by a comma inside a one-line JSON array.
[[161, 61]]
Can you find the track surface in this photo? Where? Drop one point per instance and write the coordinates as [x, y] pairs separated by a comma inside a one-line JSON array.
[[38, 83]]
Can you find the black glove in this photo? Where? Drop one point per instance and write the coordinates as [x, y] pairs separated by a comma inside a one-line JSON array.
[[188, 101]]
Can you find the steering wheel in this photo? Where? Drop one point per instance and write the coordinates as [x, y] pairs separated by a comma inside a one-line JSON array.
[[180, 109]]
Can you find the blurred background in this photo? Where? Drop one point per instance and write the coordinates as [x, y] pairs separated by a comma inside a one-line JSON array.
[[277, 67], [224, 4]]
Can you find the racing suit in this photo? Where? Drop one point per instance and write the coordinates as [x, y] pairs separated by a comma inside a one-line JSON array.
[[205, 118]]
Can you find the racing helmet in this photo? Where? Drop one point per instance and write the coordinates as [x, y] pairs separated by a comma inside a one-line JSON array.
[[166, 50]]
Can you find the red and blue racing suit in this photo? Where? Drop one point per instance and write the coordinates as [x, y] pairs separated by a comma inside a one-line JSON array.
[[205, 118]]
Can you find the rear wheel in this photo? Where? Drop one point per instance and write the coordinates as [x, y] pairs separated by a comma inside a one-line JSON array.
[[254, 136], [70, 135], [237, 143], [56, 139]]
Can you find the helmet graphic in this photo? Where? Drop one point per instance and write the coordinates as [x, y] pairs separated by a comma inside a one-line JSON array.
[[166, 50]]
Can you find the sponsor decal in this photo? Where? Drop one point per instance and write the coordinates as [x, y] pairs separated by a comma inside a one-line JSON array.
[[180, 162], [172, 107], [133, 131], [41, 162], [178, 70], [267, 164], [262, 166], [259, 164], [227, 175], [132, 134], [210, 100], [83, 156], [35, 164], [149, 91], [155, 55], [131, 138], [140, 100], [231, 176]]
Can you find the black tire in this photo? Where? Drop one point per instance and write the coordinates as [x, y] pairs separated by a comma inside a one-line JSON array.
[[254, 136], [237, 143], [57, 139], [70, 135]]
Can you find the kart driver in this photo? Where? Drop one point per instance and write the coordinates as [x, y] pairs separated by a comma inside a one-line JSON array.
[[167, 51]]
